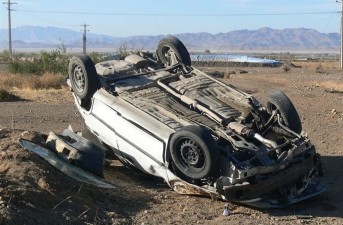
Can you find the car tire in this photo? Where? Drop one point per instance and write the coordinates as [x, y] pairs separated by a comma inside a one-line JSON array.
[[280, 102], [193, 152], [172, 44], [83, 76]]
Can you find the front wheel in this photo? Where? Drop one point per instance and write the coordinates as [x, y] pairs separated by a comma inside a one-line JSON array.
[[280, 102], [193, 151]]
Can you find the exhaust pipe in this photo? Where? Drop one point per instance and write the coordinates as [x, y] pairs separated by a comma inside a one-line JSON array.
[[242, 129]]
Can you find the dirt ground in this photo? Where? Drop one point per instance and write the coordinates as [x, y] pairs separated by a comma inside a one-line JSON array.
[[33, 192]]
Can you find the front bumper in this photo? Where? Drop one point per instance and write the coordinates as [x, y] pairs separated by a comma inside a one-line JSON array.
[[299, 181]]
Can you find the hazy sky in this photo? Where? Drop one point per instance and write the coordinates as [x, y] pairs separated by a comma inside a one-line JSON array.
[[145, 17]]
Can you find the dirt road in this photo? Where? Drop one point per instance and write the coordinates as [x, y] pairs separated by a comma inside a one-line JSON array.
[[32, 192]]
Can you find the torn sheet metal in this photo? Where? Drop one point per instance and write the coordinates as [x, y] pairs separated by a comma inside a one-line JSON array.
[[62, 165]]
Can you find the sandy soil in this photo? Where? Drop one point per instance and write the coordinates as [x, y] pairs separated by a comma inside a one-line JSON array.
[[33, 192]]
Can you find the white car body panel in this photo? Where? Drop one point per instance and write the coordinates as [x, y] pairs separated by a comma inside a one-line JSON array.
[[126, 136]]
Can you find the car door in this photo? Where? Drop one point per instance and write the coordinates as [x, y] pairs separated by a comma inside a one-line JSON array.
[[128, 130]]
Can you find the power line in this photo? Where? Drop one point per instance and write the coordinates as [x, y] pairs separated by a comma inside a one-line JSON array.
[[38, 18], [326, 26], [179, 14]]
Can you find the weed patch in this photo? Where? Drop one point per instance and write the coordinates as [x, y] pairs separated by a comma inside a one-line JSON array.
[[46, 81], [47, 62]]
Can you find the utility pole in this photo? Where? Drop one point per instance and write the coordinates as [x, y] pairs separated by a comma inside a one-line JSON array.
[[341, 51], [9, 3], [84, 38]]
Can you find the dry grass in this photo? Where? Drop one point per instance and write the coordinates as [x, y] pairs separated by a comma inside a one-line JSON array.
[[10, 81], [44, 95]]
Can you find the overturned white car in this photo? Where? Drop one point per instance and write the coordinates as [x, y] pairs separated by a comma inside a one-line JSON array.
[[168, 119]]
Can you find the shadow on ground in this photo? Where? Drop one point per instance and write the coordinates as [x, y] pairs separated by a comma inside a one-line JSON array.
[[6, 96]]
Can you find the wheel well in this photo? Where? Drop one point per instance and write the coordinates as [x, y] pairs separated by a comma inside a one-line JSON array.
[[86, 104]]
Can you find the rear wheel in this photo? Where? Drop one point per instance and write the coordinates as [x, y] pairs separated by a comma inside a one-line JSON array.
[[280, 102], [170, 46], [83, 76], [193, 152]]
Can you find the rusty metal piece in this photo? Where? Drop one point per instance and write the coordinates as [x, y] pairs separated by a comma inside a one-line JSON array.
[[238, 127]]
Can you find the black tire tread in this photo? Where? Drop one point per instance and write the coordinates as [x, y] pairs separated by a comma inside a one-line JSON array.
[[92, 81], [179, 48], [203, 137], [286, 108]]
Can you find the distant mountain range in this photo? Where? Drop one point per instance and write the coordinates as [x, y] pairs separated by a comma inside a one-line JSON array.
[[264, 39]]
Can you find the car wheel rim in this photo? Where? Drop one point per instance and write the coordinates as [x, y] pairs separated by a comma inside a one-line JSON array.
[[191, 155], [166, 52], [79, 78]]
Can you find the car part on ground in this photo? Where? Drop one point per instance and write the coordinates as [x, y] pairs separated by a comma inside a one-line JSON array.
[[64, 166], [202, 136], [78, 151]]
